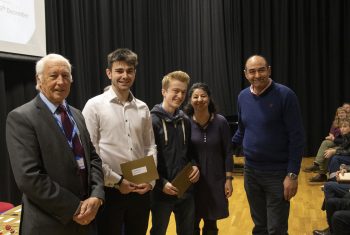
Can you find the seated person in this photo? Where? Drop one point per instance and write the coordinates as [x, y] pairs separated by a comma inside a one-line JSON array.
[[333, 139], [340, 154], [337, 162], [334, 189], [337, 206], [338, 216]]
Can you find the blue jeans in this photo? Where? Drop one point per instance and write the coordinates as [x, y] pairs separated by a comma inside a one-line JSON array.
[[334, 189], [336, 161], [265, 193], [183, 208]]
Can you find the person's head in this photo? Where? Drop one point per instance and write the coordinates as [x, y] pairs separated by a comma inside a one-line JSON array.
[[54, 77], [257, 71], [121, 69], [340, 115], [346, 106], [199, 99], [345, 126], [174, 88]]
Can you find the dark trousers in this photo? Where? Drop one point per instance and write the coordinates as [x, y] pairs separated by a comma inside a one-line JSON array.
[[338, 215], [265, 193], [336, 161], [124, 214], [334, 189], [209, 226], [183, 209]]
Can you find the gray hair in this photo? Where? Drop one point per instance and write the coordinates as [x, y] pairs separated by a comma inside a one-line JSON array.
[[40, 65]]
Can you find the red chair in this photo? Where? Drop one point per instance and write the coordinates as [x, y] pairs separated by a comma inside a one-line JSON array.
[[5, 206]]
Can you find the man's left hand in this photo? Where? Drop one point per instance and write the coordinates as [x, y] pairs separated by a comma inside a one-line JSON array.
[[290, 188], [88, 211]]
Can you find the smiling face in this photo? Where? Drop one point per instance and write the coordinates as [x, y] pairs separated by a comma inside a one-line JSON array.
[[55, 81], [174, 95], [200, 100], [122, 76], [257, 72]]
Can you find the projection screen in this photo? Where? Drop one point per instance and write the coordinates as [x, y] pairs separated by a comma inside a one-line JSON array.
[[22, 27]]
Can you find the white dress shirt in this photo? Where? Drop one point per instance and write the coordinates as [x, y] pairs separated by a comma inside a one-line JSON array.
[[119, 132]]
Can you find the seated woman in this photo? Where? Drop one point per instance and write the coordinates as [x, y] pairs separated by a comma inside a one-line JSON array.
[[333, 139], [340, 154]]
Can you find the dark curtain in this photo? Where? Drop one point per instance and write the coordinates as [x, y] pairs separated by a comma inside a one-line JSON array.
[[304, 41], [17, 85]]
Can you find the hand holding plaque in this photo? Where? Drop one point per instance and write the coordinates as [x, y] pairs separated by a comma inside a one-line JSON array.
[[182, 181], [139, 171]]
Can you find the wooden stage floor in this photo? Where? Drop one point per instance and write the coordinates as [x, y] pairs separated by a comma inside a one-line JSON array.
[[305, 215]]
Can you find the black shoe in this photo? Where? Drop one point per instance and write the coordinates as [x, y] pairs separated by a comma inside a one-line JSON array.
[[314, 168], [210, 232], [322, 232], [318, 179]]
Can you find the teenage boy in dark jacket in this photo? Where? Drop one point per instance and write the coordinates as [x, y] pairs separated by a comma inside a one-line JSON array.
[[172, 130]]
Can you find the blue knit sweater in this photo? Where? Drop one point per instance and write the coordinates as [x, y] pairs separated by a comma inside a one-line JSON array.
[[270, 129]]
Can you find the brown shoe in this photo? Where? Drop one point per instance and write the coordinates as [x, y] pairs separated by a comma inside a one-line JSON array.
[[314, 168], [318, 179]]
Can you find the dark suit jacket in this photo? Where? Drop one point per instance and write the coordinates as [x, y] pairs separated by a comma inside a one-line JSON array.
[[46, 172]]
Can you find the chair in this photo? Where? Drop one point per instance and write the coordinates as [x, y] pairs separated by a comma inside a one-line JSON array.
[[238, 155], [5, 206]]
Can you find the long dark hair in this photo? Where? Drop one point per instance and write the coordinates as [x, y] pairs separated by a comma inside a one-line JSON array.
[[188, 109]]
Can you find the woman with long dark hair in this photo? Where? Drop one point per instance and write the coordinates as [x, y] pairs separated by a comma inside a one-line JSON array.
[[212, 140]]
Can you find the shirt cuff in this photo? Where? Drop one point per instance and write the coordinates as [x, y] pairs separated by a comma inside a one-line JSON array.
[[113, 179]]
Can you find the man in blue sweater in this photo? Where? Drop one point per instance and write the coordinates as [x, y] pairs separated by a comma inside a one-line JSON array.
[[271, 132]]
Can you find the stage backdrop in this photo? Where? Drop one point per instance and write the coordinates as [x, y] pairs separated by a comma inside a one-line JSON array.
[[304, 40]]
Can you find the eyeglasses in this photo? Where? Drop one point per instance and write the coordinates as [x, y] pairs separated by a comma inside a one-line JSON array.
[[259, 70]]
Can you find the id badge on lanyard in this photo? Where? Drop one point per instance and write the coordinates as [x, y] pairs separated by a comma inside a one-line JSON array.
[[80, 162], [78, 159]]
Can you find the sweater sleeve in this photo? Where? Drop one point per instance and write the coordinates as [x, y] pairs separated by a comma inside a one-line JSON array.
[[296, 135]]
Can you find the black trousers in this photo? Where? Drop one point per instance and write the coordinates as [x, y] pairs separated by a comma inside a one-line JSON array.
[[265, 194], [338, 215], [209, 225], [123, 214]]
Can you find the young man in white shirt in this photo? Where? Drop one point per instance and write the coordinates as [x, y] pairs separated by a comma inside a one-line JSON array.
[[120, 127]]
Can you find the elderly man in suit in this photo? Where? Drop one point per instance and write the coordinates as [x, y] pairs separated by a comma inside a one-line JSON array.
[[54, 163]]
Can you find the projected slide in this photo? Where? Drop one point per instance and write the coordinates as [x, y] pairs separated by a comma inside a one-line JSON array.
[[14, 15], [22, 27]]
